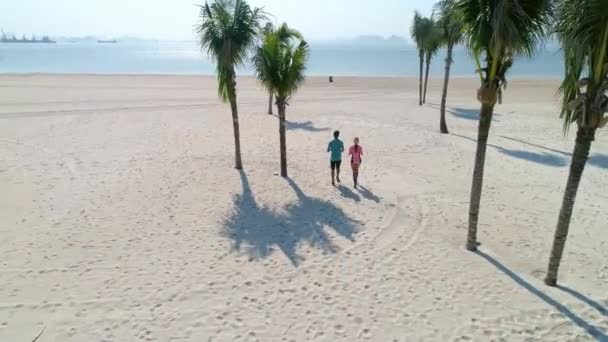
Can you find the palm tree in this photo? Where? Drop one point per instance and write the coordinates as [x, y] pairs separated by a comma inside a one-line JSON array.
[[285, 35], [496, 30], [266, 31], [433, 43], [227, 31], [279, 65], [421, 30], [582, 27], [452, 32]]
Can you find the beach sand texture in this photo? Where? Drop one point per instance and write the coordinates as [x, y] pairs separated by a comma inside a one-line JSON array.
[[122, 218]]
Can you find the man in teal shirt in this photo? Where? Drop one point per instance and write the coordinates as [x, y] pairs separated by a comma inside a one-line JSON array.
[[336, 147]]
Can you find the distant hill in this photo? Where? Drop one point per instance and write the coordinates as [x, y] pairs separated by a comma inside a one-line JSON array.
[[379, 40], [94, 39], [367, 42]]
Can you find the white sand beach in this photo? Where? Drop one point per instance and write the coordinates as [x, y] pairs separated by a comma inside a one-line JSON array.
[[123, 219]]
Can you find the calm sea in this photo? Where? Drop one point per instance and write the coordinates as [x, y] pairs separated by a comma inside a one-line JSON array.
[[185, 58]]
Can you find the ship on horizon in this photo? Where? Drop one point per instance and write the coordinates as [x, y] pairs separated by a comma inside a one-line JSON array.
[[113, 41], [13, 39]]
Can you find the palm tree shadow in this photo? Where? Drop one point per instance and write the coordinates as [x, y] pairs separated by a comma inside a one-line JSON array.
[[258, 230], [368, 194], [597, 160], [589, 328], [544, 158], [540, 158], [464, 113], [313, 215], [592, 303], [305, 126], [566, 154]]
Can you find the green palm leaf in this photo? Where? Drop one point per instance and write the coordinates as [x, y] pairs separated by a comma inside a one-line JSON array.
[[495, 28], [582, 28], [227, 31], [434, 40], [421, 30], [279, 64], [449, 22]]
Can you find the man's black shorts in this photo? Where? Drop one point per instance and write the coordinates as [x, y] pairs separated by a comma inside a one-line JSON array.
[[335, 164]]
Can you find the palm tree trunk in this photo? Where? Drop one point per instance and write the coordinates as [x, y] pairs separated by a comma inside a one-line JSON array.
[[237, 134], [443, 127], [584, 138], [421, 54], [426, 77], [485, 120], [282, 138], [270, 96]]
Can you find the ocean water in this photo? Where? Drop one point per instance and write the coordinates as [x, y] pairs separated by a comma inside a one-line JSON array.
[[186, 58]]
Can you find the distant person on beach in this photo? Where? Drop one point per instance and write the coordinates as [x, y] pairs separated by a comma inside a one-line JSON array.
[[355, 152], [335, 147]]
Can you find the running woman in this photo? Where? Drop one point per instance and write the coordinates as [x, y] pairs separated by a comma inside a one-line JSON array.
[[355, 152]]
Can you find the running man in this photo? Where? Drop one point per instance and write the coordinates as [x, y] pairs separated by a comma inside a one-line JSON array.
[[336, 147], [355, 152]]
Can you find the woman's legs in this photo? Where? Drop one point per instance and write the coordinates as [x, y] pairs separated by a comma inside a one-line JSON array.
[[355, 173]]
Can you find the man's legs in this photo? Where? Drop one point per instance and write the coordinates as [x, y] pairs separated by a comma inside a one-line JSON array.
[[332, 166], [338, 170]]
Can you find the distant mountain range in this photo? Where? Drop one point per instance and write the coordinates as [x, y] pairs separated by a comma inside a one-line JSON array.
[[367, 41], [360, 41], [392, 42], [94, 39]]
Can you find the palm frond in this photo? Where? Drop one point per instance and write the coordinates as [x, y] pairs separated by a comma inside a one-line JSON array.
[[449, 22], [286, 34], [574, 62], [434, 40], [421, 31], [227, 30], [296, 70], [265, 61], [494, 28], [416, 29], [582, 28], [268, 28], [280, 65]]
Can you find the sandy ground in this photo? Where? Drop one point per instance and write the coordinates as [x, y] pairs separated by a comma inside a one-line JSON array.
[[122, 218]]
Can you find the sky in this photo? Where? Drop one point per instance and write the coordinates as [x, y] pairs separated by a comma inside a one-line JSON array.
[[174, 19]]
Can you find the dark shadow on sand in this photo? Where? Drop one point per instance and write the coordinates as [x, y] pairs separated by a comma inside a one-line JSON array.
[[566, 154], [348, 193], [596, 159], [368, 194], [543, 158], [464, 113], [305, 126], [599, 160], [259, 230], [592, 303], [589, 328]]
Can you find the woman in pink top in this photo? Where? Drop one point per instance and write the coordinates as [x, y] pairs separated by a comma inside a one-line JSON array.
[[355, 152]]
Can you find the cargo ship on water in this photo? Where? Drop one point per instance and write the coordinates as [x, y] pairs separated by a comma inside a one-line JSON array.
[[13, 39]]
